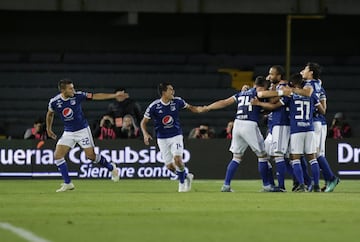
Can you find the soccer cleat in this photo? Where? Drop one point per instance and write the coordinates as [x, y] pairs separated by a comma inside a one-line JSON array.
[[300, 188], [316, 188], [182, 187], [115, 176], [278, 189], [267, 188], [226, 188], [331, 185], [66, 187], [188, 180], [295, 185]]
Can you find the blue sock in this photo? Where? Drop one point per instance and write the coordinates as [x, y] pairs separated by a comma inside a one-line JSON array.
[[298, 172], [263, 170], [230, 171], [280, 171], [64, 172], [270, 175], [326, 170], [315, 171], [181, 175], [103, 162], [289, 168], [307, 178]]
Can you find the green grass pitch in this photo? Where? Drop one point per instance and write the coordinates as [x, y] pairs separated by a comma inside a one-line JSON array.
[[152, 210]]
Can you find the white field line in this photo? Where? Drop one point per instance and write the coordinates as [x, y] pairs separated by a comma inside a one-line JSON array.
[[27, 235]]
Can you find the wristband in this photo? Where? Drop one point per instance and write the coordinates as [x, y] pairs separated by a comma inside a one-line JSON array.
[[280, 92]]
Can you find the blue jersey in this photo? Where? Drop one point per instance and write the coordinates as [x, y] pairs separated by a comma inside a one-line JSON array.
[[70, 110], [246, 111], [166, 117], [301, 112], [321, 94], [280, 116]]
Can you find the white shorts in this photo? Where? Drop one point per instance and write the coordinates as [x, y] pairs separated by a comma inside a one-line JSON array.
[[279, 143], [171, 147], [83, 137], [320, 137], [246, 133], [302, 143]]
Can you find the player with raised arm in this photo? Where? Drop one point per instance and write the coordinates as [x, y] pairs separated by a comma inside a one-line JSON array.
[[245, 132], [311, 75], [165, 115], [302, 137], [76, 129]]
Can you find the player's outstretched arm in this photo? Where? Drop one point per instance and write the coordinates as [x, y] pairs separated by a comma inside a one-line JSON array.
[[147, 136], [195, 109], [105, 96], [49, 122], [220, 104]]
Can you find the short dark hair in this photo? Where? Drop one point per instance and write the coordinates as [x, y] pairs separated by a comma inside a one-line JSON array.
[[163, 87], [280, 71], [62, 83], [296, 79], [315, 68], [261, 81]]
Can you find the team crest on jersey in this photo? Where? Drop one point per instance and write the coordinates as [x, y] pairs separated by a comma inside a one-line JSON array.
[[72, 102], [68, 113], [172, 107], [167, 120]]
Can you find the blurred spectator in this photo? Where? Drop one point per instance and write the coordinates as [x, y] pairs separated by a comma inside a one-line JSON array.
[[38, 131], [227, 132], [202, 132], [122, 106], [106, 129], [129, 129], [339, 127]]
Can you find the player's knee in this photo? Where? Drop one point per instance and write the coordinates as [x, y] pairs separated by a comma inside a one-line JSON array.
[[237, 157]]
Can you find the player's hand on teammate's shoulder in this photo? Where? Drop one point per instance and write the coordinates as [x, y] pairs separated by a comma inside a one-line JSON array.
[[287, 91]]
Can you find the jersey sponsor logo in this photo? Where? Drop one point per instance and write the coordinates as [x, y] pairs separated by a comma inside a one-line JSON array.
[[167, 120], [68, 113]]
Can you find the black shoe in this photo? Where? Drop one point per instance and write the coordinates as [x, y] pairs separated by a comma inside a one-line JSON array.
[[316, 188], [300, 188], [295, 185]]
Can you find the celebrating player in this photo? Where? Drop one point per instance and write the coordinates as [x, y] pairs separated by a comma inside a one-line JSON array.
[[76, 129], [245, 132], [165, 115]]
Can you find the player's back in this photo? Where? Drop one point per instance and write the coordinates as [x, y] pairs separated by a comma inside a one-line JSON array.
[[246, 111]]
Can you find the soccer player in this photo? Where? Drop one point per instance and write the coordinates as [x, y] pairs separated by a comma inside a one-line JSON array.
[[165, 114], [76, 129], [245, 132], [278, 138], [302, 135], [311, 75]]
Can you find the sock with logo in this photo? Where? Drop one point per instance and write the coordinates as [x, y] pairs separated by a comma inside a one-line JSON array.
[[270, 175], [62, 167], [280, 171], [315, 171]]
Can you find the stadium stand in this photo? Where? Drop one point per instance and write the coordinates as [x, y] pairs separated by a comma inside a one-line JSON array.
[[29, 80]]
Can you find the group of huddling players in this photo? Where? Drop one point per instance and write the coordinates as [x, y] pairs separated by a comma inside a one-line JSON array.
[[296, 136]]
